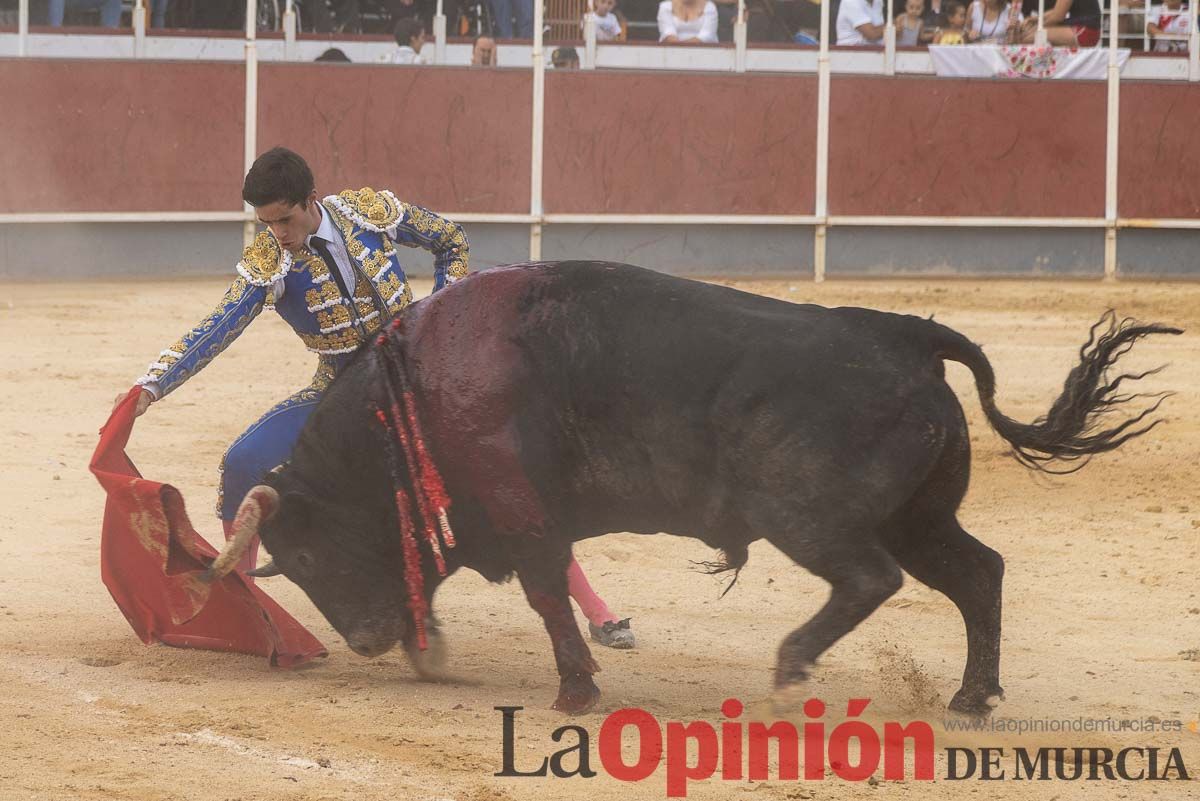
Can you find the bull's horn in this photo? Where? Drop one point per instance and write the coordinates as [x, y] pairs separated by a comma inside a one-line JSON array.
[[266, 571], [259, 504]]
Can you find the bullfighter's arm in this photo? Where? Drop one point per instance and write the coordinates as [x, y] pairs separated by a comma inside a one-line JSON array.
[[446, 240], [195, 349]]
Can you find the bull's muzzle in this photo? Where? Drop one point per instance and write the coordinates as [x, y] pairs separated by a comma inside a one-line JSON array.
[[369, 646], [260, 504]]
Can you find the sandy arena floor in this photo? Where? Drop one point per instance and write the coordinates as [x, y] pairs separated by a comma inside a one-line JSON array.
[[1101, 617]]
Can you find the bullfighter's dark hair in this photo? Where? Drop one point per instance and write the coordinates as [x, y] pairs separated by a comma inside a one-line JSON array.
[[278, 175], [406, 29]]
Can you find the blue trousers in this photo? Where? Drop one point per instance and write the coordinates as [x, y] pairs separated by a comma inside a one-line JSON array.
[[110, 11], [502, 12], [267, 444]]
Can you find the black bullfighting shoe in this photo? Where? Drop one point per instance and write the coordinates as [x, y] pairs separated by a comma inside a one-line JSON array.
[[613, 634]]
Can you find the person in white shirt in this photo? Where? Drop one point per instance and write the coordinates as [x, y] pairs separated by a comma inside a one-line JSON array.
[[1173, 20], [688, 21], [410, 36], [990, 21], [608, 24], [860, 22]]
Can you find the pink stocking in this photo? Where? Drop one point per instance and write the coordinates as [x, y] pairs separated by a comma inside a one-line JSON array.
[[591, 604]]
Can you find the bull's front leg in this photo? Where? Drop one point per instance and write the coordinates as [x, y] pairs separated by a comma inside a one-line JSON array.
[[430, 664], [544, 581]]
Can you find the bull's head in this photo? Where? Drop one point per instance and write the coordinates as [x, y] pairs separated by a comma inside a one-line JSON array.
[[340, 555]]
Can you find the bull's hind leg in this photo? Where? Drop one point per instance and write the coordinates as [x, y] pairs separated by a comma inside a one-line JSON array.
[[544, 580], [860, 580], [951, 561]]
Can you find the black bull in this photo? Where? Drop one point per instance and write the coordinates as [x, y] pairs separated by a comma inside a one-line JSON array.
[[563, 401]]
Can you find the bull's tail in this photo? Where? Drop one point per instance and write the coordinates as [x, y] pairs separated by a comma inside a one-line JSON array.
[[1080, 423]]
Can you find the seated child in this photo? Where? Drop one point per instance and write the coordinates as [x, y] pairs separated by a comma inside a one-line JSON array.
[[952, 31], [909, 24], [608, 23]]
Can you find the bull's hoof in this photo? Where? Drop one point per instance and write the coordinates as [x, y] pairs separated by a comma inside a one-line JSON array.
[[791, 672], [577, 694], [974, 704], [789, 700], [429, 664]]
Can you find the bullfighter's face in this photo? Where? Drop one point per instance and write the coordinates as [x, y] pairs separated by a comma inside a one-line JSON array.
[[352, 580], [291, 224]]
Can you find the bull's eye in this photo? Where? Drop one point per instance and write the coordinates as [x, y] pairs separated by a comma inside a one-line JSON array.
[[305, 561]]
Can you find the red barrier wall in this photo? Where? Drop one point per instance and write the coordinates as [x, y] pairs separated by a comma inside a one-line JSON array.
[[452, 139], [100, 135], [1159, 150], [103, 135], [950, 147], [655, 143]]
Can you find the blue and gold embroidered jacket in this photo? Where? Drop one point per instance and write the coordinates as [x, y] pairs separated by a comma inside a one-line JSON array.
[[371, 223]]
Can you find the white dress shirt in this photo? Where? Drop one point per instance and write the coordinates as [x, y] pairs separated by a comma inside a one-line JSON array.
[[406, 55], [328, 231]]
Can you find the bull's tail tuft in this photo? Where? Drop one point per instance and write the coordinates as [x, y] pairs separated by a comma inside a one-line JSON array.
[[1081, 422]]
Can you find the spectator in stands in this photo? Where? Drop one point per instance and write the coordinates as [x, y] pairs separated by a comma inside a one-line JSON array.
[[687, 21], [989, 21], [483, 52], [1167, 21], [954, 27], [609, 25], [910, 24], [503, 12], [860, 22], [1071, 23], [110, 11], [335, 55], [410, 36], [565, 58]]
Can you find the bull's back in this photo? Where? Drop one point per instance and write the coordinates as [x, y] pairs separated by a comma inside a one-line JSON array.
[[595, 319]]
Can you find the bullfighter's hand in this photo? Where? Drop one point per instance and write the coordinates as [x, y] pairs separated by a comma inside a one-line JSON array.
[[143, 403]]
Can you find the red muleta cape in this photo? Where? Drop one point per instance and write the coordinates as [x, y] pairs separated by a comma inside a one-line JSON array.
[[151, 560]]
